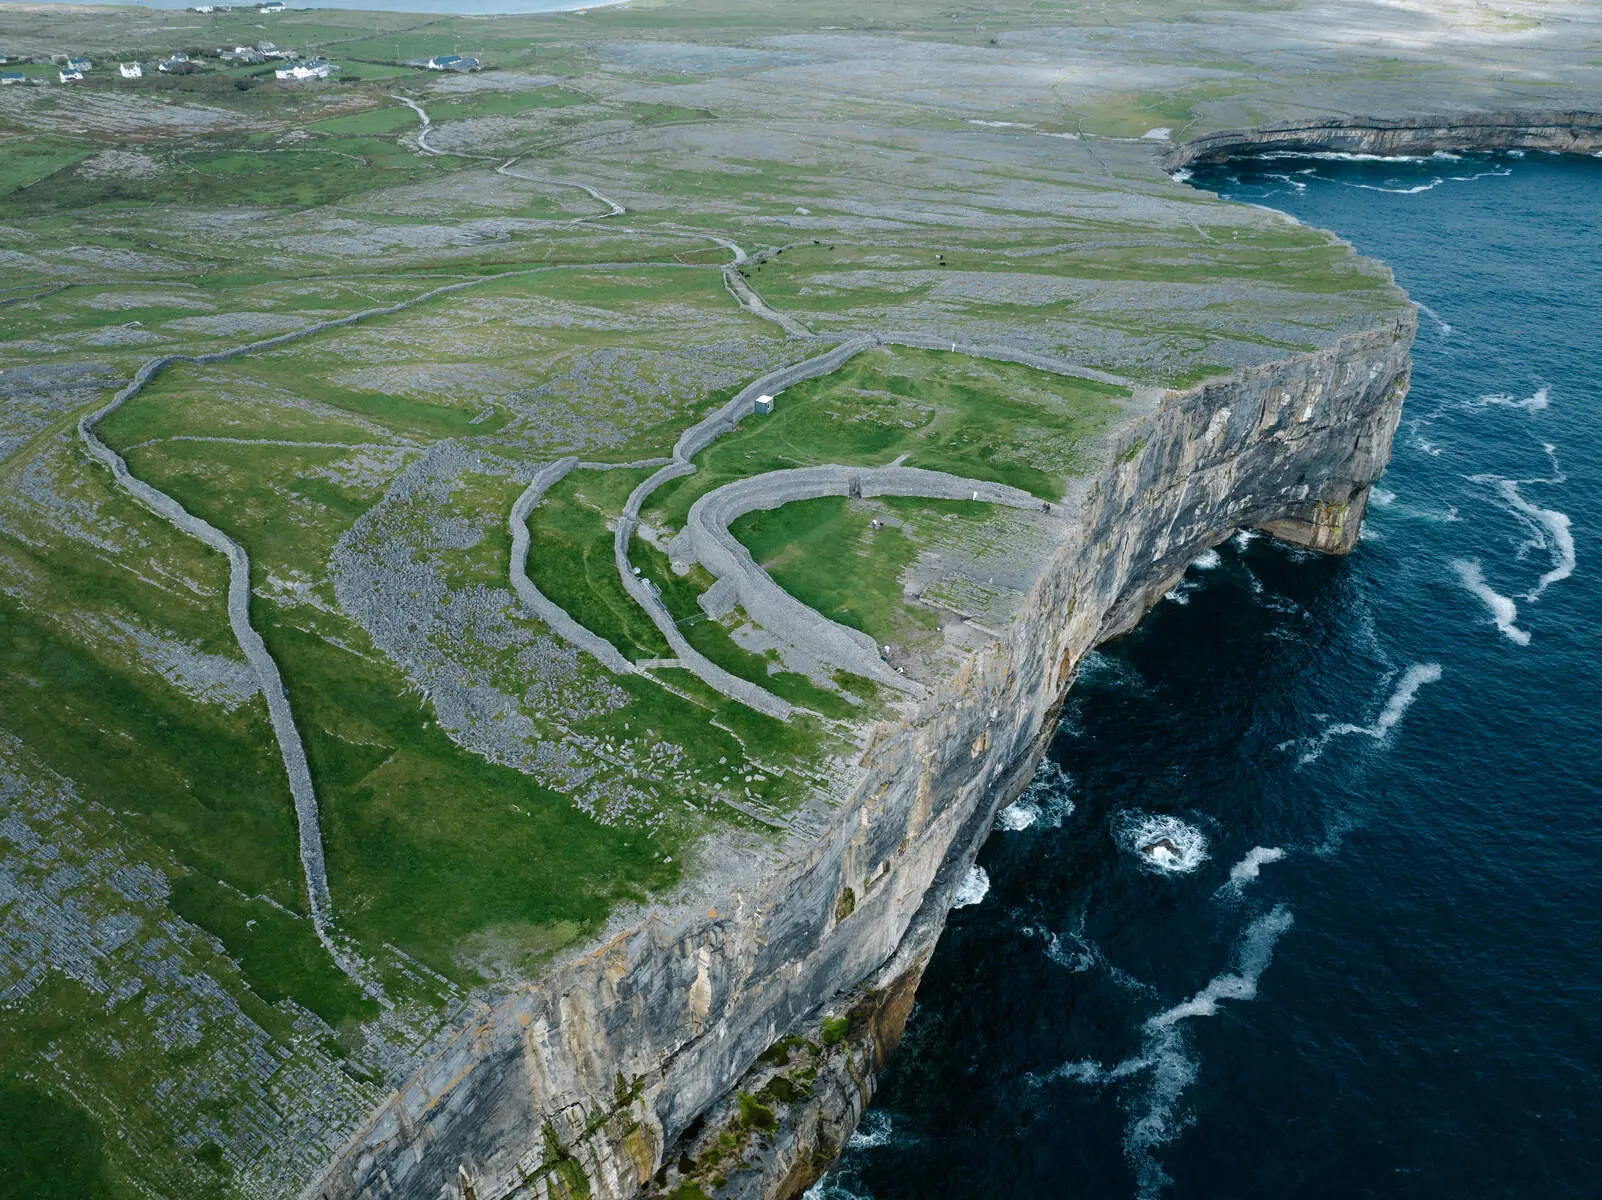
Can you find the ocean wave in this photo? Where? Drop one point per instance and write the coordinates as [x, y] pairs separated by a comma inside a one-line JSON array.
[[973, 888], [1441, 326], [1207, 560], [831, 1188], [1045, 802], [1183, 175], [1503, 611], [1401, 191], [1390, 716], [1248, 868], [1482, 175], [1105, 669], [1161, 843], [1549, 529], [1166, 1060], [1256, 952], [875, 1130]]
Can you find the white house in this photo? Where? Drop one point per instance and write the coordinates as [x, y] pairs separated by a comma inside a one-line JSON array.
[[452, 62], [12, 77], [130, 70], [79, 64], [764, 405], [311, 70], [177, 60], [70, 76], [272, 6]]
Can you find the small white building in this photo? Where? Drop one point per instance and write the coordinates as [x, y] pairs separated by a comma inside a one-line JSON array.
[[79, 64], [131, 70], [169, 64], [764, 405], [71, 76], [272, 6], [310, 70]]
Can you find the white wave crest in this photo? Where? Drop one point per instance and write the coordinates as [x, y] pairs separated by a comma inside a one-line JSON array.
[[1256, 952], [875, 1130], [1441, 326], [1390, 716], [1166, 1060], [1183, 175], [1534, 403], [1550, 530], [1503, 611], [1045, 802], [1207, 560], [1160, 842], [1256, 859], [975, 886], [1402, 191]]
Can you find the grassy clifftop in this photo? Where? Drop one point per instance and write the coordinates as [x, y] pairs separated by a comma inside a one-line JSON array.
[[491, 795]]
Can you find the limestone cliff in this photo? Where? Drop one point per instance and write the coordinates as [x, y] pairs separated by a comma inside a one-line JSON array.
[[1559, 131], [732, 1048]]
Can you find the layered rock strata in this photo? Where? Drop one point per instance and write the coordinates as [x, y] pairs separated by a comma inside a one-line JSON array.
[[650, 1066], [1562, 132]]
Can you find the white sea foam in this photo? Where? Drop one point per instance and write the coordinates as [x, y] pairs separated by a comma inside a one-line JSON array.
[[1482, 175], [1550, 530], [1534, 403], [1401, 191], [875, 1130], [1207, 560], [975, 886], [1183, 175], [1165, 1059], [1441, 326], [1160, 842], [1256, 859], [1503, 611], [1046, 802], [1380, 498], [1256, 952], [1245, 537], [1390, 716]]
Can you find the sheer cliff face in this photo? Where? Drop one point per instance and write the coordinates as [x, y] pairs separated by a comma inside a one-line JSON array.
[[590, 1080], [1565, 131]]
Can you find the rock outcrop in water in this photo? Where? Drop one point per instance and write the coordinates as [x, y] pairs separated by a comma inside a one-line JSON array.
[[731, 1051]]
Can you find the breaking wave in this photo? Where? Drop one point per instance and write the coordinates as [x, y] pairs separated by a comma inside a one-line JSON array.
[[1256, 859], [1390, 716], [1045, 802], [1503, 611], [1207, 560], [975, 886], [1165, 1059], [1549, 529], [1160, 842]]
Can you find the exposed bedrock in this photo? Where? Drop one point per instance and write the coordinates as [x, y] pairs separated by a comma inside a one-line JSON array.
[[1568, 132], [614, 1074]]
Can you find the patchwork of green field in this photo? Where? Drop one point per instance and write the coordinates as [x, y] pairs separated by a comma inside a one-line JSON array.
[[980, 419], [490, 797]]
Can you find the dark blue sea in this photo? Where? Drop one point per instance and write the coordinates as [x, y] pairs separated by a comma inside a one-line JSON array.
[[1372, 964]]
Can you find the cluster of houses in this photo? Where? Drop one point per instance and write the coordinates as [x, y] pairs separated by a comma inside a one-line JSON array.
[[266, 6], [74, 68]]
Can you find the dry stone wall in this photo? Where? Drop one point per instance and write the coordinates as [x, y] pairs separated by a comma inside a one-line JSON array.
[[600, 1069]]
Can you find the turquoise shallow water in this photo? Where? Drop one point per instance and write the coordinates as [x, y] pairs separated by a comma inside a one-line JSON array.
[[1375, 967]]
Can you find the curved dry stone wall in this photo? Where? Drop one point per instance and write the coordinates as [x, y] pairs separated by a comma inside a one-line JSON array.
[[592, 1080]]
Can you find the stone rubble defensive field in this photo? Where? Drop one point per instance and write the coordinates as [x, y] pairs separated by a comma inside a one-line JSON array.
[[442, 365]]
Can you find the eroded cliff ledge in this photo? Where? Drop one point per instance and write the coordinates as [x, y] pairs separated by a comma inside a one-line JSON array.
[[606, 1078], [1570, 131]]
